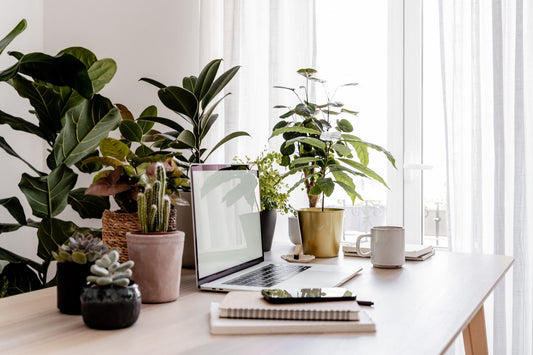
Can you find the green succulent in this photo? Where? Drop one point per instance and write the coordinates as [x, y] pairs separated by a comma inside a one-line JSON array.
[[81, 249], [107, 271]]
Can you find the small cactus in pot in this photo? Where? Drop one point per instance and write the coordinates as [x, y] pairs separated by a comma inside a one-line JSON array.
[[154, 203], [112, 300], [74, 259]]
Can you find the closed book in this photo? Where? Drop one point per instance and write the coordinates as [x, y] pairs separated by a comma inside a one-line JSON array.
[[412, 251], [219, 325], [246, 304]]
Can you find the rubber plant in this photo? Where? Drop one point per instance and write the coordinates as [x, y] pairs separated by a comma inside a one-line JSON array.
[[195, 103], [71, 119], [320, 144]]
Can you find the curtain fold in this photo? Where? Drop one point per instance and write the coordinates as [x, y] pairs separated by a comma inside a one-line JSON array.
[[486, 51]]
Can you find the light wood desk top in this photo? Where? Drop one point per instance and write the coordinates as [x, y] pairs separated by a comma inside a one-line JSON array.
[[419, 309]]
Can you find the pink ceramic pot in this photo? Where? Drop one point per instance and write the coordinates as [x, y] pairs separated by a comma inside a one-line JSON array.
[[158, 260]]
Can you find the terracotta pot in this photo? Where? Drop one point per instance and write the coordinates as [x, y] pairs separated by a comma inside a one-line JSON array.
[[268, 226], [110, 307], [321, 231], [158, 260], [71, 278]]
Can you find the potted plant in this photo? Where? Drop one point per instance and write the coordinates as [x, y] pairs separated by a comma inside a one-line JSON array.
[[126, 160], [194, 104], [318, 143], [74, 259], [156, 251], [112, 300], [273, 192]]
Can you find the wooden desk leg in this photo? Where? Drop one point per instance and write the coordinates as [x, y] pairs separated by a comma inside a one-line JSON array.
[[475, 335]]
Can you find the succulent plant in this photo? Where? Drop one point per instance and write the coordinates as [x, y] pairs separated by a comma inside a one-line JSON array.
[[108, 271], [154, 203], [81, 249]]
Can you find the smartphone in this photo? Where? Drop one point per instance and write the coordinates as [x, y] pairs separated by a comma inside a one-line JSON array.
[[304, 295]]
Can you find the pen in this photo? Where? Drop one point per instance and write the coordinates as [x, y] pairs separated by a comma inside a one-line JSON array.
[[365, 303]]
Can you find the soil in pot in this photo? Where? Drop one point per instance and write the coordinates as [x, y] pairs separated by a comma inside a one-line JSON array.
[[110, 307], [71, 278]]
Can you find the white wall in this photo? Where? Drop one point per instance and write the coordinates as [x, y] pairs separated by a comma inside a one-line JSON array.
[[157, 38]]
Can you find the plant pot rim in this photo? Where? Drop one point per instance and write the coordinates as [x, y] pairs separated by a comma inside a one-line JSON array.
[[319, 209], [154, 233]]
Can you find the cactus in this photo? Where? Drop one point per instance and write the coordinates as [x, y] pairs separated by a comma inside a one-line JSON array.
[[107, 271], [154, 204], [81, 249]]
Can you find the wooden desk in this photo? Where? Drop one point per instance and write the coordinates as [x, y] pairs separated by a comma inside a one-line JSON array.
[[419, 309]]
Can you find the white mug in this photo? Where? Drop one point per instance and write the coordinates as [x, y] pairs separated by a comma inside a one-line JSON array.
[[387, 246]]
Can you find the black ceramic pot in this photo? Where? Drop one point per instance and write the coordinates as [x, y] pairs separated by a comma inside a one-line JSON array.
[[268, 225], [71, 278], [110, 307]]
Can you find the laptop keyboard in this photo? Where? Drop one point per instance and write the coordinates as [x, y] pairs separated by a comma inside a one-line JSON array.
[[267, 276]]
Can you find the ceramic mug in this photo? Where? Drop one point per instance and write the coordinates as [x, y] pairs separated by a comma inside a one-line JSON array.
[[387, 246]]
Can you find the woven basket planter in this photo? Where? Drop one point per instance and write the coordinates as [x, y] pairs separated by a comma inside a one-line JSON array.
[[115, 225]]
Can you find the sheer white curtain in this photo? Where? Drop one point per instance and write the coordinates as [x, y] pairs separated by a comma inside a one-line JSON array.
[[487, 67], [270, 40]]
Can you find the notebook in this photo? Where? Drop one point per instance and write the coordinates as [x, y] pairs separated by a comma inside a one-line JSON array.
[[412, 251], [246, 304], [227, 236], [220, 325]]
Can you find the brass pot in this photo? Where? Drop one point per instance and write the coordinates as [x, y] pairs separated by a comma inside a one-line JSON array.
[[321, 231]]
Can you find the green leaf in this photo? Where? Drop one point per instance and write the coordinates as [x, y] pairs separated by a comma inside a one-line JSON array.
[[344, 125], [187, 137], [20, 278], [226, 139], [287, 114], [5, 146], [297, 129], [341, 176], [101, 72], [179, 100], [206, 78], [11, 257], [189, 83], [88, 206], [365, 170], [9, 227], [125, 113], [298, 162], [355, 113], [20, 124], [307, 72], [82, 54], [218, 85], [79, 257], [18, 29], [89, 167], [326, 185], [350, 191], [317, 143], [167, 122], [362, 152], [342, 150], [287, 149], [150, 111], [143, 151], [304, 110], [353, 139], [106, 161], [52, 233], [111, 147], [14, 207], [47, 195], [153, 82], [131, 131], [205, 124], [85, 126], [280, 124]]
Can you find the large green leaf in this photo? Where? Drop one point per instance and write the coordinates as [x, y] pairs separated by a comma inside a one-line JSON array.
[[218, 85], [13, 206], [101, 72], [206, 78], [84, 126], [4, 42], [131, 130], [153, 82], [61, 70], [165, 121], [226, 139], [20, 124], [179, 100], [365, 170], [88, 206], [82, 54], [9, 227], [353, 140], [20, 278], [297, 129], [317, 143], [150, 111], [52, 233], [47, 195], [11, 257], [5, 146], [111, 147], [350, 190], [187, 137]]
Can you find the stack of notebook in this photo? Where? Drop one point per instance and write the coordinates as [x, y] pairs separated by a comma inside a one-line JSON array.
[[413, 252], [244, 312]]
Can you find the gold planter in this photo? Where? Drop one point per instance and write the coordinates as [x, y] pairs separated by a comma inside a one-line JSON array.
[[321, 231]]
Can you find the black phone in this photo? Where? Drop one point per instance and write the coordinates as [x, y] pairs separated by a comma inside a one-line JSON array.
[[304, 295]]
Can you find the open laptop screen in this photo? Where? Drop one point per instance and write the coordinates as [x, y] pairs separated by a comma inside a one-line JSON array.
[[226, 206]]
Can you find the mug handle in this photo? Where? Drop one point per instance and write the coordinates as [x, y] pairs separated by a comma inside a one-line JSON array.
[[358, 245]]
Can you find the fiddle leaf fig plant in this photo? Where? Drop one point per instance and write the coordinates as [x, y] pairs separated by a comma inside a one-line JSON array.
[[70, 119], [318, 143], [194, 103]]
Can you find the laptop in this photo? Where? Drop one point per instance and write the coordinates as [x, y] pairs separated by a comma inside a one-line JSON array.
[[227, 236]]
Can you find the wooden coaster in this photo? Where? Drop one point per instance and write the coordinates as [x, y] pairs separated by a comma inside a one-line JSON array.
[[302, 259]]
